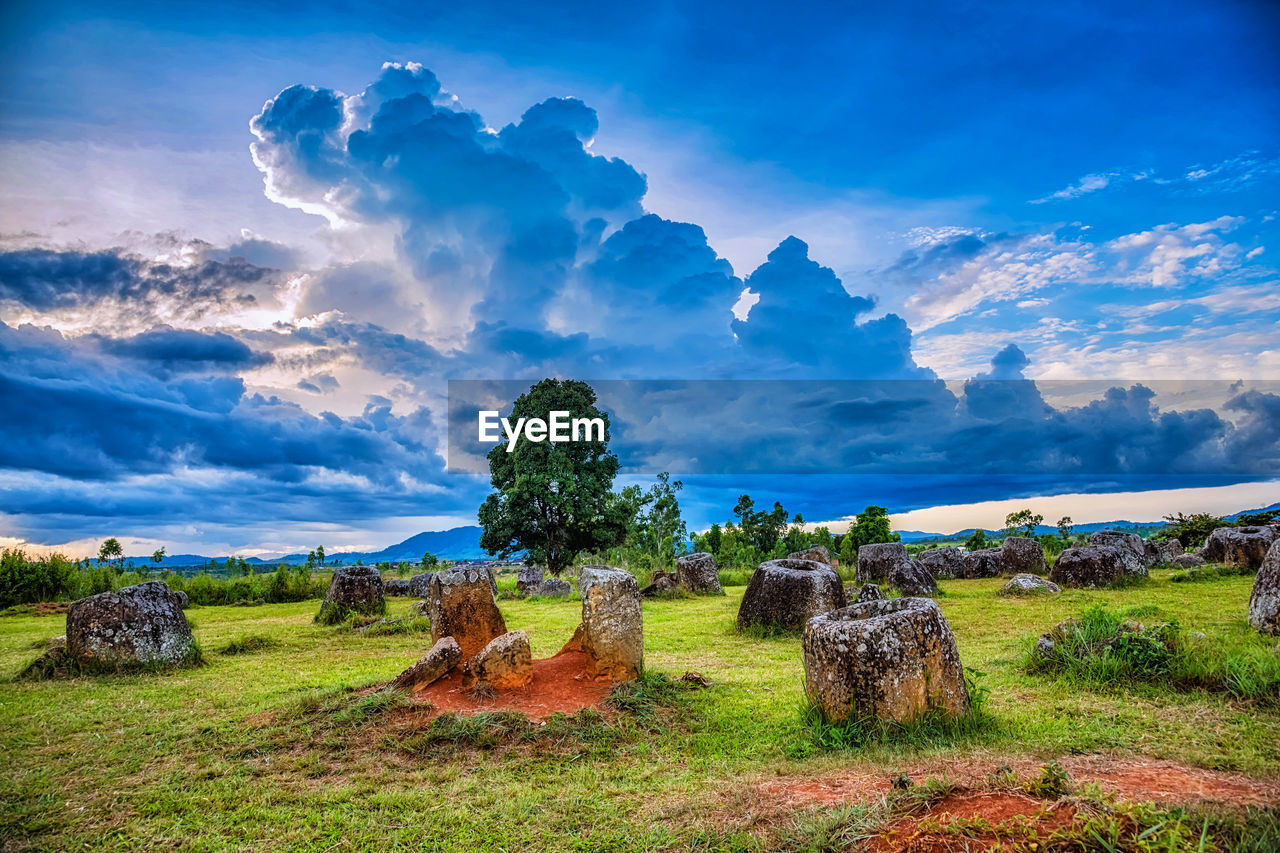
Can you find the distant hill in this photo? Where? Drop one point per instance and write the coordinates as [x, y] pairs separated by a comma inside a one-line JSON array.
[[924, 536], [463, 543], [459, 543]]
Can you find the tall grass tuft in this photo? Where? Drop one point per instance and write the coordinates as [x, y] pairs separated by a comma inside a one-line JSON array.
[[933, 728], [1106, 648]]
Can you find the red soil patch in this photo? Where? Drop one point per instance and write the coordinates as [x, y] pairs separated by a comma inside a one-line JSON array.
[[796, 791], [1134, 779], [560, 684], [1014, 815], [1167, 782], [41, 608]]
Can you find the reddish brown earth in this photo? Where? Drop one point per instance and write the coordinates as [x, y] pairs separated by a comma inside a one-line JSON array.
[[1014, 815], [1139, 779], [559, 684]]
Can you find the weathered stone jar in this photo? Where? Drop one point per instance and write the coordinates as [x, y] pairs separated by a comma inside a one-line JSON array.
[[354, 589], [787, 593], [137, 624], [612, 630], [891, 660], [698, 574], [460, 604], [1264, 602], [1020, 555]]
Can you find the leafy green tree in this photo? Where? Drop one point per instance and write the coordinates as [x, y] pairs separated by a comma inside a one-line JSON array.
[[1256, 519], [1192, 530], [111, 549], [1065, 526], [429, 560], [553, 500], [710, 541], [872, 527], [1023, 522], [311, 559], [977, 540], [320, 554], [849, 549], [762, 529], [659, 525]]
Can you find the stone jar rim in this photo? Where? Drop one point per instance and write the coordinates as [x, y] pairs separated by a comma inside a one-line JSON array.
[[870, 610], [795, 564]]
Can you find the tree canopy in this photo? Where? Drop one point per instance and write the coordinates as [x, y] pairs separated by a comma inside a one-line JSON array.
[[553, 500]]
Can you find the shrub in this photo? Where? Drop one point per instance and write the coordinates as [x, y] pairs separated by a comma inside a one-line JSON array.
[[1110, 649], [24, 581]]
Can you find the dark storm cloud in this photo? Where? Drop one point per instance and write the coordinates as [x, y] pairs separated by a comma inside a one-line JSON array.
[[48, 280], [79, 413]]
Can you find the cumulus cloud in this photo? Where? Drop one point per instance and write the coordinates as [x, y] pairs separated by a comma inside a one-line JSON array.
[[465, 250]]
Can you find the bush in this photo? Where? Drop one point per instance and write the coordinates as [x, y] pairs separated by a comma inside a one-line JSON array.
[[24, 581], [1110, 649]]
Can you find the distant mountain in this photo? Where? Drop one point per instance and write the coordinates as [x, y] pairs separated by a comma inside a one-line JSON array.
[[459, 543], [463, 543], [924, 536]]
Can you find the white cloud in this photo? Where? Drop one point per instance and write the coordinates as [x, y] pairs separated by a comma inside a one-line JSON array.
[[1093, 508]]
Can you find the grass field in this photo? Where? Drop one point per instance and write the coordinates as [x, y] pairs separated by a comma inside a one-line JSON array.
[[267, 749]]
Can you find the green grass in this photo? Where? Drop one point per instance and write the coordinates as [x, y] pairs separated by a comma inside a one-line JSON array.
[[1109, 648], [282, 748], [248, 644]]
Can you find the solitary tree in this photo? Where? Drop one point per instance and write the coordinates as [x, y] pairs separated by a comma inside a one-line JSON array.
[[1065, 527], [157, 556], [977, 540], [429, 560], [111, 550], [320, 554], [1023, 521], [553, 499]]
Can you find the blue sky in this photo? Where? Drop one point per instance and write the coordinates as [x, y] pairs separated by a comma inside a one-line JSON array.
[[588, 190]]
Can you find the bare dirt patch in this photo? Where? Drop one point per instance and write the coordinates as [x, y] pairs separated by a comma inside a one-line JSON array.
[[1136, 779], [987, 817], [559, 684]]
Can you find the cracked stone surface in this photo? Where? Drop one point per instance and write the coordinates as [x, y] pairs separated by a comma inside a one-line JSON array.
[[892, 660], [142, 624], [787, 593], [697, 573], [612, 630], [460, 604]]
